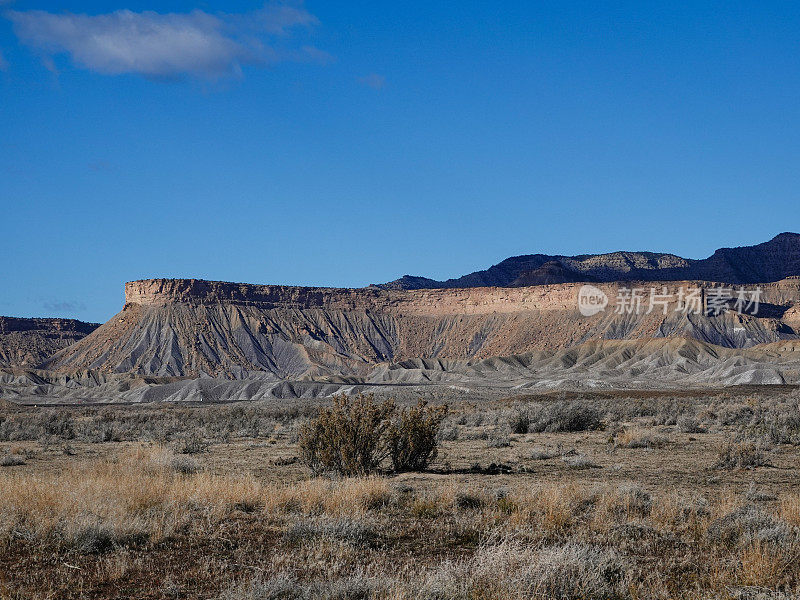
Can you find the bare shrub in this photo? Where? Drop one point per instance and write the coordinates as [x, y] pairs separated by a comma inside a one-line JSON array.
[[37, 425], [163, 424], [185, 465], [448, 433], [498, 439], [285, 587], [746, 525], [778, 423], [579, 462], [192, 443], [689, 424], [351, 531], [165, 459], [577, 571], [467, 501], [630, 500], [413, 436], [93, 538], [753, 494], [735, 414], [11, 460], [544, 453], [349, 438], [516, 570], [743, 454], [572, 416], [520, 421]]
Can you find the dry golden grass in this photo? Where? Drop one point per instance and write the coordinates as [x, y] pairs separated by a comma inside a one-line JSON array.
[[550, 540], [790, 509], [241, 520], [637, 437], [766, 565], [348, 497], [138, 494]]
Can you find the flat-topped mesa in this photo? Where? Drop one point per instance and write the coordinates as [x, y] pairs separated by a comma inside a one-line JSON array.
[[162, 292], [190, 327], [27, 342], [49, 324], [423, 302]]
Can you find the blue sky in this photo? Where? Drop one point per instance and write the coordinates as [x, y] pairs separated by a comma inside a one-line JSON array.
[[343, 144]]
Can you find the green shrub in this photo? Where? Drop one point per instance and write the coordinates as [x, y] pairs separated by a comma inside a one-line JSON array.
[[413, 436], [349, 438]]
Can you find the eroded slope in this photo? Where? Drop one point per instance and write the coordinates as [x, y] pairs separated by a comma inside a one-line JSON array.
[[193, 327]]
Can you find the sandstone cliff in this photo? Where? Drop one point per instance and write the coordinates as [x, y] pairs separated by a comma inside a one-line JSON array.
[[195, 327]]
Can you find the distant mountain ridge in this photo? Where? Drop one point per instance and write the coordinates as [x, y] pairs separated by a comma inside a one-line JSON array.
[[770, 261], [27, 342]]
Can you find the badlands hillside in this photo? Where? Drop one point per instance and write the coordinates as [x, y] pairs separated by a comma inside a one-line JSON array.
[[173, 327], [188, 339]]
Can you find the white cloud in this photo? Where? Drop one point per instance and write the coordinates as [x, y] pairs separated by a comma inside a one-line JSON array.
[[373, 80], [165, 45], [64, 306], [280, 18]]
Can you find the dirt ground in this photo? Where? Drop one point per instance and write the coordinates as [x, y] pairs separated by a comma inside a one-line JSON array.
[[215, 549]]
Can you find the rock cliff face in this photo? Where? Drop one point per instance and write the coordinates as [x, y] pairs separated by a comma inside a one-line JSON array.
[[774, 260], [28, 342], [522, 331], [195, 327]]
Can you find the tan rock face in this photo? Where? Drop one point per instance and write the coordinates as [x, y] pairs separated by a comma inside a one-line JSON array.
[[428, 302], [519, 319], [187, 327]]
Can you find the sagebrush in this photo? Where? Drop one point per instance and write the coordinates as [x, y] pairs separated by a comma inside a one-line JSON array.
[[357, 433]]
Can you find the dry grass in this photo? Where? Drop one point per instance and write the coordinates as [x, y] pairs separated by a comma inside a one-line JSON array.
[[142, 496], [639, 438], [238, 520], [552, 541]]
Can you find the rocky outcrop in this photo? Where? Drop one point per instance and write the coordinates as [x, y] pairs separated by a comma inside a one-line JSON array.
[[193, 327], [28, 342], [774, 260], [550, 273], [515, 325]]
